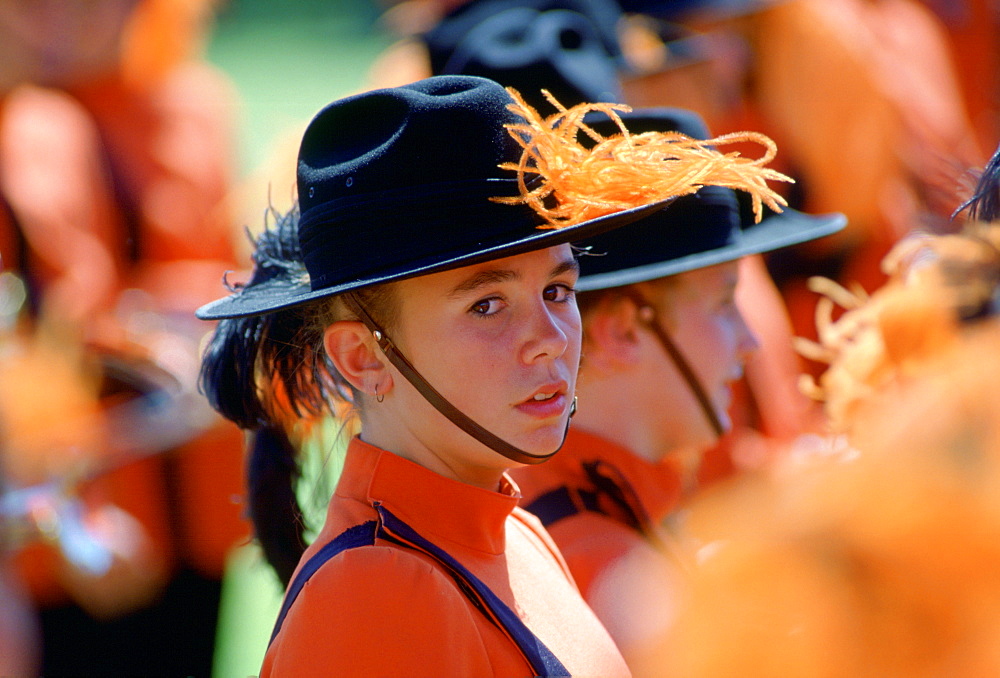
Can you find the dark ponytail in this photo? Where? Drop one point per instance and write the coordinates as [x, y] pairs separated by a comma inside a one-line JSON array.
[[263, 372], [272, 473], [273, 347]]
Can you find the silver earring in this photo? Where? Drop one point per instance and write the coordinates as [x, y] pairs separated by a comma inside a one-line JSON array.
[[378, 398]]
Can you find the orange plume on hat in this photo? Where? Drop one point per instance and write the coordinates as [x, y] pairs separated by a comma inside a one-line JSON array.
[[624, 171]]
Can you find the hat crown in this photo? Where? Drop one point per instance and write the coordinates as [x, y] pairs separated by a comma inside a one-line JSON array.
[[702, 222], [436, 131], [401, 179], [516, 37], [454, 28]]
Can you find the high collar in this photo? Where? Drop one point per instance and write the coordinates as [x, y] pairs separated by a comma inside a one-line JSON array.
[[657, 486], [439, 508]]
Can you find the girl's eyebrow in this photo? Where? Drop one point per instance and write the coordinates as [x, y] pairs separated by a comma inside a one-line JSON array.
[[481, 279], [498, 275], [570, 265]]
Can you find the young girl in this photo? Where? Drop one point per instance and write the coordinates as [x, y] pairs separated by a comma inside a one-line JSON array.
[[417, 287]]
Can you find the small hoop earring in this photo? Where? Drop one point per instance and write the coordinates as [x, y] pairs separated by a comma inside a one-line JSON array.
[[378, 398]]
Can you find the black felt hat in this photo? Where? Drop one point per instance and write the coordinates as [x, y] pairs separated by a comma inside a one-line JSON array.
[[698, 230], [396, 183], [528, 49]]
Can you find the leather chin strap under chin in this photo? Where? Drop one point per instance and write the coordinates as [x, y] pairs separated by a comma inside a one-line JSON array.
[[439, 402], [651, 321]]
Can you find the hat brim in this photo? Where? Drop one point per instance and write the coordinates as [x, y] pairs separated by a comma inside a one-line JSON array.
[[280, 294], [790, 227]]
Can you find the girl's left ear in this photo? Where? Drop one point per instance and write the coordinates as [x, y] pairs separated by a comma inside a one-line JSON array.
[[357, 357]]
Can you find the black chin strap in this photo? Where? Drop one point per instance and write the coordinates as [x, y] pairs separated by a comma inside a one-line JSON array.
[[648, 314], [439, 402]]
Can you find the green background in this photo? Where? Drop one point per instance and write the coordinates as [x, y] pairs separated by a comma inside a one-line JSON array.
[[289, 58]]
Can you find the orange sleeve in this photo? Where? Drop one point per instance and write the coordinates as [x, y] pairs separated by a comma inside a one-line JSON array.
[[590, 543], [631, 587], [376, 611]]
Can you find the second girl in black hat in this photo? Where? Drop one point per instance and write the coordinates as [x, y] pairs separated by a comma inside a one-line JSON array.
[[663, 341]]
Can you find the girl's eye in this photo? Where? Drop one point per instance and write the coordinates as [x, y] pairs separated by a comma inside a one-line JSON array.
[[486, 307], [558, 293]]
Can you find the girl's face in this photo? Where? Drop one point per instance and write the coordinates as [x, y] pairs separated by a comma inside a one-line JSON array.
[[501, 341], [698, 308]]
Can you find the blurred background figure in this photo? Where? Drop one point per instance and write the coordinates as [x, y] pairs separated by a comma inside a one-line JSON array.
[[19, 634], [115, 165], [864, 98], [877, 558]]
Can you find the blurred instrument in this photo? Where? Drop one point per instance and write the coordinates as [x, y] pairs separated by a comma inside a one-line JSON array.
[[71, 413]]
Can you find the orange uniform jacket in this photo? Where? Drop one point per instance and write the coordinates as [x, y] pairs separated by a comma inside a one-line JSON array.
[[615, 549], [384, 609]]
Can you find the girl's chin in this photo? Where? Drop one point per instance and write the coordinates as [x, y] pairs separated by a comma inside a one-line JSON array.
[[540, 441], [536, 445], [547, 445]]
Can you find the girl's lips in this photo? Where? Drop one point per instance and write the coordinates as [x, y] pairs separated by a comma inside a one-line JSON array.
[[545, 409]]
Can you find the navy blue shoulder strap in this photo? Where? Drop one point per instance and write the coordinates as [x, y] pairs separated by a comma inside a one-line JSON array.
[[391, 528], [359, 535], [561, 503], [542, 661]]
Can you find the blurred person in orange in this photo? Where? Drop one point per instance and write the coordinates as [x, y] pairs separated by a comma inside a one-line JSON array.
[[973, 31], [115, 152], [877, 558], [862, 96]]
